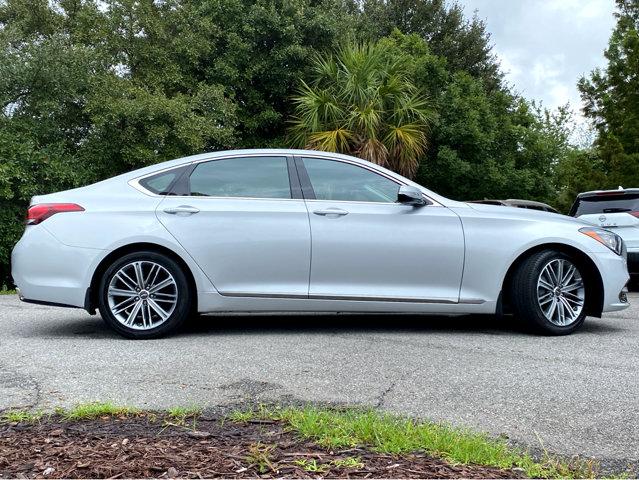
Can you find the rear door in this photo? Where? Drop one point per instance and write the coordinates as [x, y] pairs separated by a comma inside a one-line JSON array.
[[244, 222], [617, 211]]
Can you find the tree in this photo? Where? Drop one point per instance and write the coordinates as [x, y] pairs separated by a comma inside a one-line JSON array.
[[484, 142], [463, 43], [579, 171], [611, 99], [258, 49], [362, 101]]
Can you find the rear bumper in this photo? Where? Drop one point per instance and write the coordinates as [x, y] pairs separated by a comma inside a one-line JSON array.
[[48, 272]]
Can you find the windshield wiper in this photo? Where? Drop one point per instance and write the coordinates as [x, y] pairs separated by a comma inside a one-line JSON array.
[[616, 210]]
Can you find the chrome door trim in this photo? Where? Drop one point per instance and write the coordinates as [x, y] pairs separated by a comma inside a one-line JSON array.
[[363, 298], [472, 301]]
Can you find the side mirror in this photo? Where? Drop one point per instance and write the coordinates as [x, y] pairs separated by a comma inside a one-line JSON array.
[[411, 196]]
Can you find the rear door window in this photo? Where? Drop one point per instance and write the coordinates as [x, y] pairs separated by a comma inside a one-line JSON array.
[[244, 177]]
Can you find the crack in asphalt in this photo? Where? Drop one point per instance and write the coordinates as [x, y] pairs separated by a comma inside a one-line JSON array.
[[382, 397], [27, 386]]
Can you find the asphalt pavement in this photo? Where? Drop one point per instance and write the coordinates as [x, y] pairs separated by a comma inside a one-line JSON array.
[[570, 395]]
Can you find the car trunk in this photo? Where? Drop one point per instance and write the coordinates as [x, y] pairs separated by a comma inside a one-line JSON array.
[[616, 211]]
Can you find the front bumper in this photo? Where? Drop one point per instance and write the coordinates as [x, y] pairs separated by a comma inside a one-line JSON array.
[[48, 272], [614, 275], [633, 263]]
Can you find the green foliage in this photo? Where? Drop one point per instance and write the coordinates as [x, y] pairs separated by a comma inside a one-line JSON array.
[[20, 416], [463, 43], [482, 142], [180, 415], [348, 462], [260, 457], [362, 101], [311, 465], [611, 100], [88, 411], [387, 433], [580, 171], [257, 49]]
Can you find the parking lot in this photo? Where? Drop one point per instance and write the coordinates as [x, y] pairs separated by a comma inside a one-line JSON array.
[[575, 394]]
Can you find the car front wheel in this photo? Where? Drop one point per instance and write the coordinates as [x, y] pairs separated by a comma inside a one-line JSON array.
[[144, 295], [548, 291]]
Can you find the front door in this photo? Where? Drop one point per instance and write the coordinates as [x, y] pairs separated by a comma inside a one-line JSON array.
[[367, 246]]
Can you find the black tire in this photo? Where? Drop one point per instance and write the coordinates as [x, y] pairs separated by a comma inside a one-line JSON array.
[[182, 308], [524, 294]]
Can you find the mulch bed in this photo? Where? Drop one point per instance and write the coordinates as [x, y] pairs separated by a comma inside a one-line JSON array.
[[150, 446]]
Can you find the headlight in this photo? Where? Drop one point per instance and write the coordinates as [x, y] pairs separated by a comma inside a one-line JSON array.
[[605, 237]]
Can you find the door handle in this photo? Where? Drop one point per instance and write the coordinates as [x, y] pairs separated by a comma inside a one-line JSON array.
[[330, 212], [182, 210]]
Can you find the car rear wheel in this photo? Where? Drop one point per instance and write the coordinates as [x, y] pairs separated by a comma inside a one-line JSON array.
[[144, 295], [548, 291]]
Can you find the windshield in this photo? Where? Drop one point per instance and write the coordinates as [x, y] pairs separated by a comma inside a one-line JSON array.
[[628, 202]]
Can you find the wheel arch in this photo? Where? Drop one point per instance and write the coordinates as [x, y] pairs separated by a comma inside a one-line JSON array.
[[91, 299], [592, 277]]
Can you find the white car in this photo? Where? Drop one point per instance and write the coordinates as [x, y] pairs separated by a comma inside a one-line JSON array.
[[616, 210], [303, 231]]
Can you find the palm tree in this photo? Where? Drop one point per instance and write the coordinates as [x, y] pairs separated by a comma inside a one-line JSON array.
[[361, 101]]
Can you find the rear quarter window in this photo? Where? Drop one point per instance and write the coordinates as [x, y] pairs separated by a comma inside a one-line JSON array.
[[161, 183]]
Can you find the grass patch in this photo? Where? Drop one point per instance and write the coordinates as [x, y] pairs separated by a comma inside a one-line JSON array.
[[7, 292], [184, 413], [348, 462], [88, 411], [242, 415], [311, 465], [179, 415], [20, 416], [386, 433], [260, 457]]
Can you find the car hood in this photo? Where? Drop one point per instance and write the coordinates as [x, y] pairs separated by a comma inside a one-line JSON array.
[[524, 214]]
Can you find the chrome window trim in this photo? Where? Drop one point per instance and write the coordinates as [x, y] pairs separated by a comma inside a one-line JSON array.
[[355, 202], [135, 182]]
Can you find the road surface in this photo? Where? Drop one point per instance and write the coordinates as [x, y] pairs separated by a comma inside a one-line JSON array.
[[574, 395]]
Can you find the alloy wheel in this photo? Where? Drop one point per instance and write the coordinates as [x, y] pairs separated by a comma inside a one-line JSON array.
[[142, 295], [561, 292]]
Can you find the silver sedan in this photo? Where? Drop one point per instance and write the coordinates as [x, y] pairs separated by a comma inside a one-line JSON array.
[[303, 231]]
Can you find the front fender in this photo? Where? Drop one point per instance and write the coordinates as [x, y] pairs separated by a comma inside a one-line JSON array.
[[495, 241]]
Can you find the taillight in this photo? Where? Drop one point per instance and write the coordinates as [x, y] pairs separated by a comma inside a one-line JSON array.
[[39, 213]]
